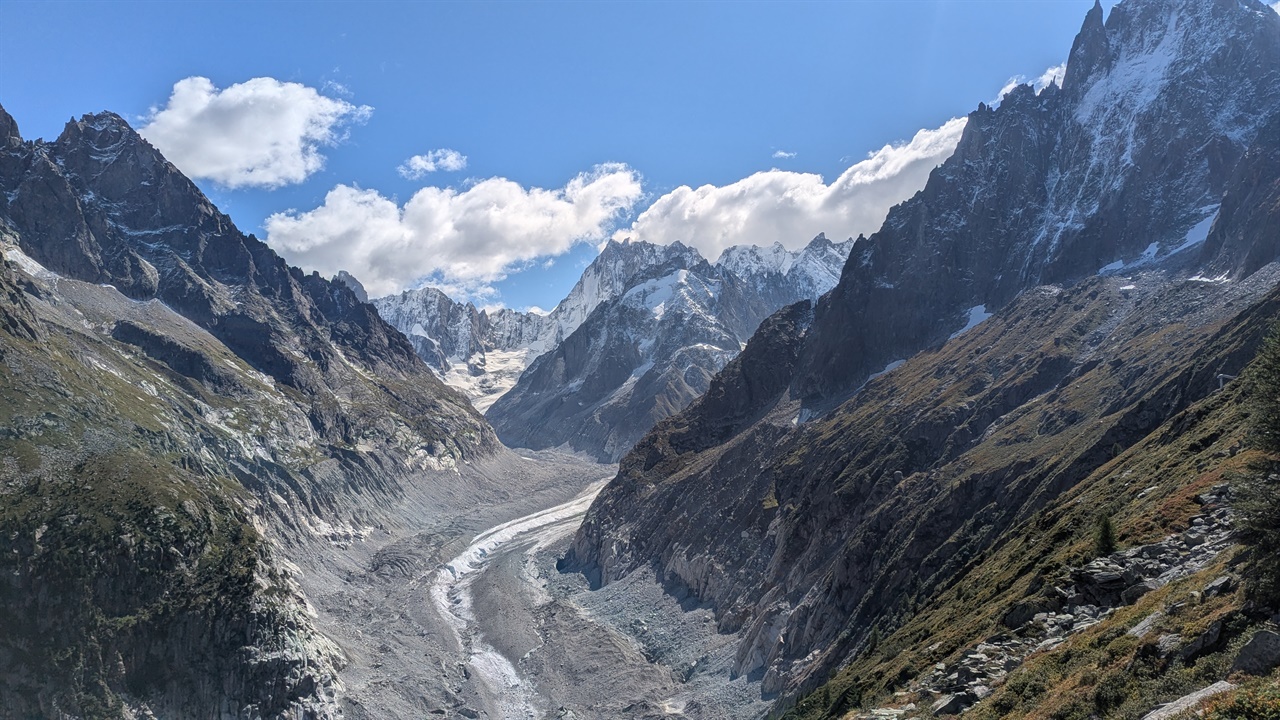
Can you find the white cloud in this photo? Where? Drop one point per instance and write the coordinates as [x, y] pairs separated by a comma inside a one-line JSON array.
[[261, 132], [337, 88], [783, 155], [1013, 82], [1051, 75], [459, 239], [791, 207], [1276, 6], [442, 159]]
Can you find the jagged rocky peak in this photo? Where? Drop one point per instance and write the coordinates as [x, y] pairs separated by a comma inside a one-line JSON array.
[[350, 281], [9, 129], [1124, 168], [1090, 53], [101, 205], [752, 260], [614, 271], [637, 337], [483, 352]]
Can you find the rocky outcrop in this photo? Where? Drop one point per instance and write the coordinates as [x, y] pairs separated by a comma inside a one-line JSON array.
[[1087, 596], [1188, 703], [1260, 655], [16, 316], [130, 597], [351, 282]]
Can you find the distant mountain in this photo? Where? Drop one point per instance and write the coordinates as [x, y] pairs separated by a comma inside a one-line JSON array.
[[483, 352], [647, 353], [1073, 277], [637, 338]]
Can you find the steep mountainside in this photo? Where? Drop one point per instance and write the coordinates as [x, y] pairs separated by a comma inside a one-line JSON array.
[[483, 352], [1125, 164], [1120, 228], [175, 400], [647, 353]]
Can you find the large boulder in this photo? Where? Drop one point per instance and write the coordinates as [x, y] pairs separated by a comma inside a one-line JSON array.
[[1260, 656]]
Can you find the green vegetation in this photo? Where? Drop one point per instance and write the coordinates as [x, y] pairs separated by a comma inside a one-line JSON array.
[[1150, 491], [1104, 542], [1261, 702], [120, 566], [1258, 491]]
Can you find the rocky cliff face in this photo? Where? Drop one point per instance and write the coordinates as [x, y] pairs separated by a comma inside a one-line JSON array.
[[1124, 165], [1117, 227], [646, 353], [175, 400]]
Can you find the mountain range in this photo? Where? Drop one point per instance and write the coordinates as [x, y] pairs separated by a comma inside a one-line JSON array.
[[988, 460], [637, 339], [1117, 230]]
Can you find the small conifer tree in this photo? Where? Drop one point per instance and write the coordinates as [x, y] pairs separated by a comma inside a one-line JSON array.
[[1104, 540]]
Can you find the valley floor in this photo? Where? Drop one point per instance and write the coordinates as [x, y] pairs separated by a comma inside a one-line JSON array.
[[466, 615]]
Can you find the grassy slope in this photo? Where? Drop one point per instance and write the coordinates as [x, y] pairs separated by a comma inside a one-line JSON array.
[[1101, 672]]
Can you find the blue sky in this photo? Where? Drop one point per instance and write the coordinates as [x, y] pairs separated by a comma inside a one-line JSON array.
[[592, 112]]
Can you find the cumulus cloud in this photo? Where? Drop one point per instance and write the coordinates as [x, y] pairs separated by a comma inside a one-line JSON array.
[[792, 207], [458, 239], [783, 155], [1276, 6], [442, 159], [261, 132], [1051, 76]]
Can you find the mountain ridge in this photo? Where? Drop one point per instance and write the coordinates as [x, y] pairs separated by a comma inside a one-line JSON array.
[[598, 370], [826, 560], [181, 409]]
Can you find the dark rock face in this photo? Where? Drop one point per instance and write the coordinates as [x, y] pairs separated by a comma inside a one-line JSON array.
[[101, 205], [1124, 163], [350, 281], [803, 537], [1246, 234], [16, 316], [1090, 53]]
